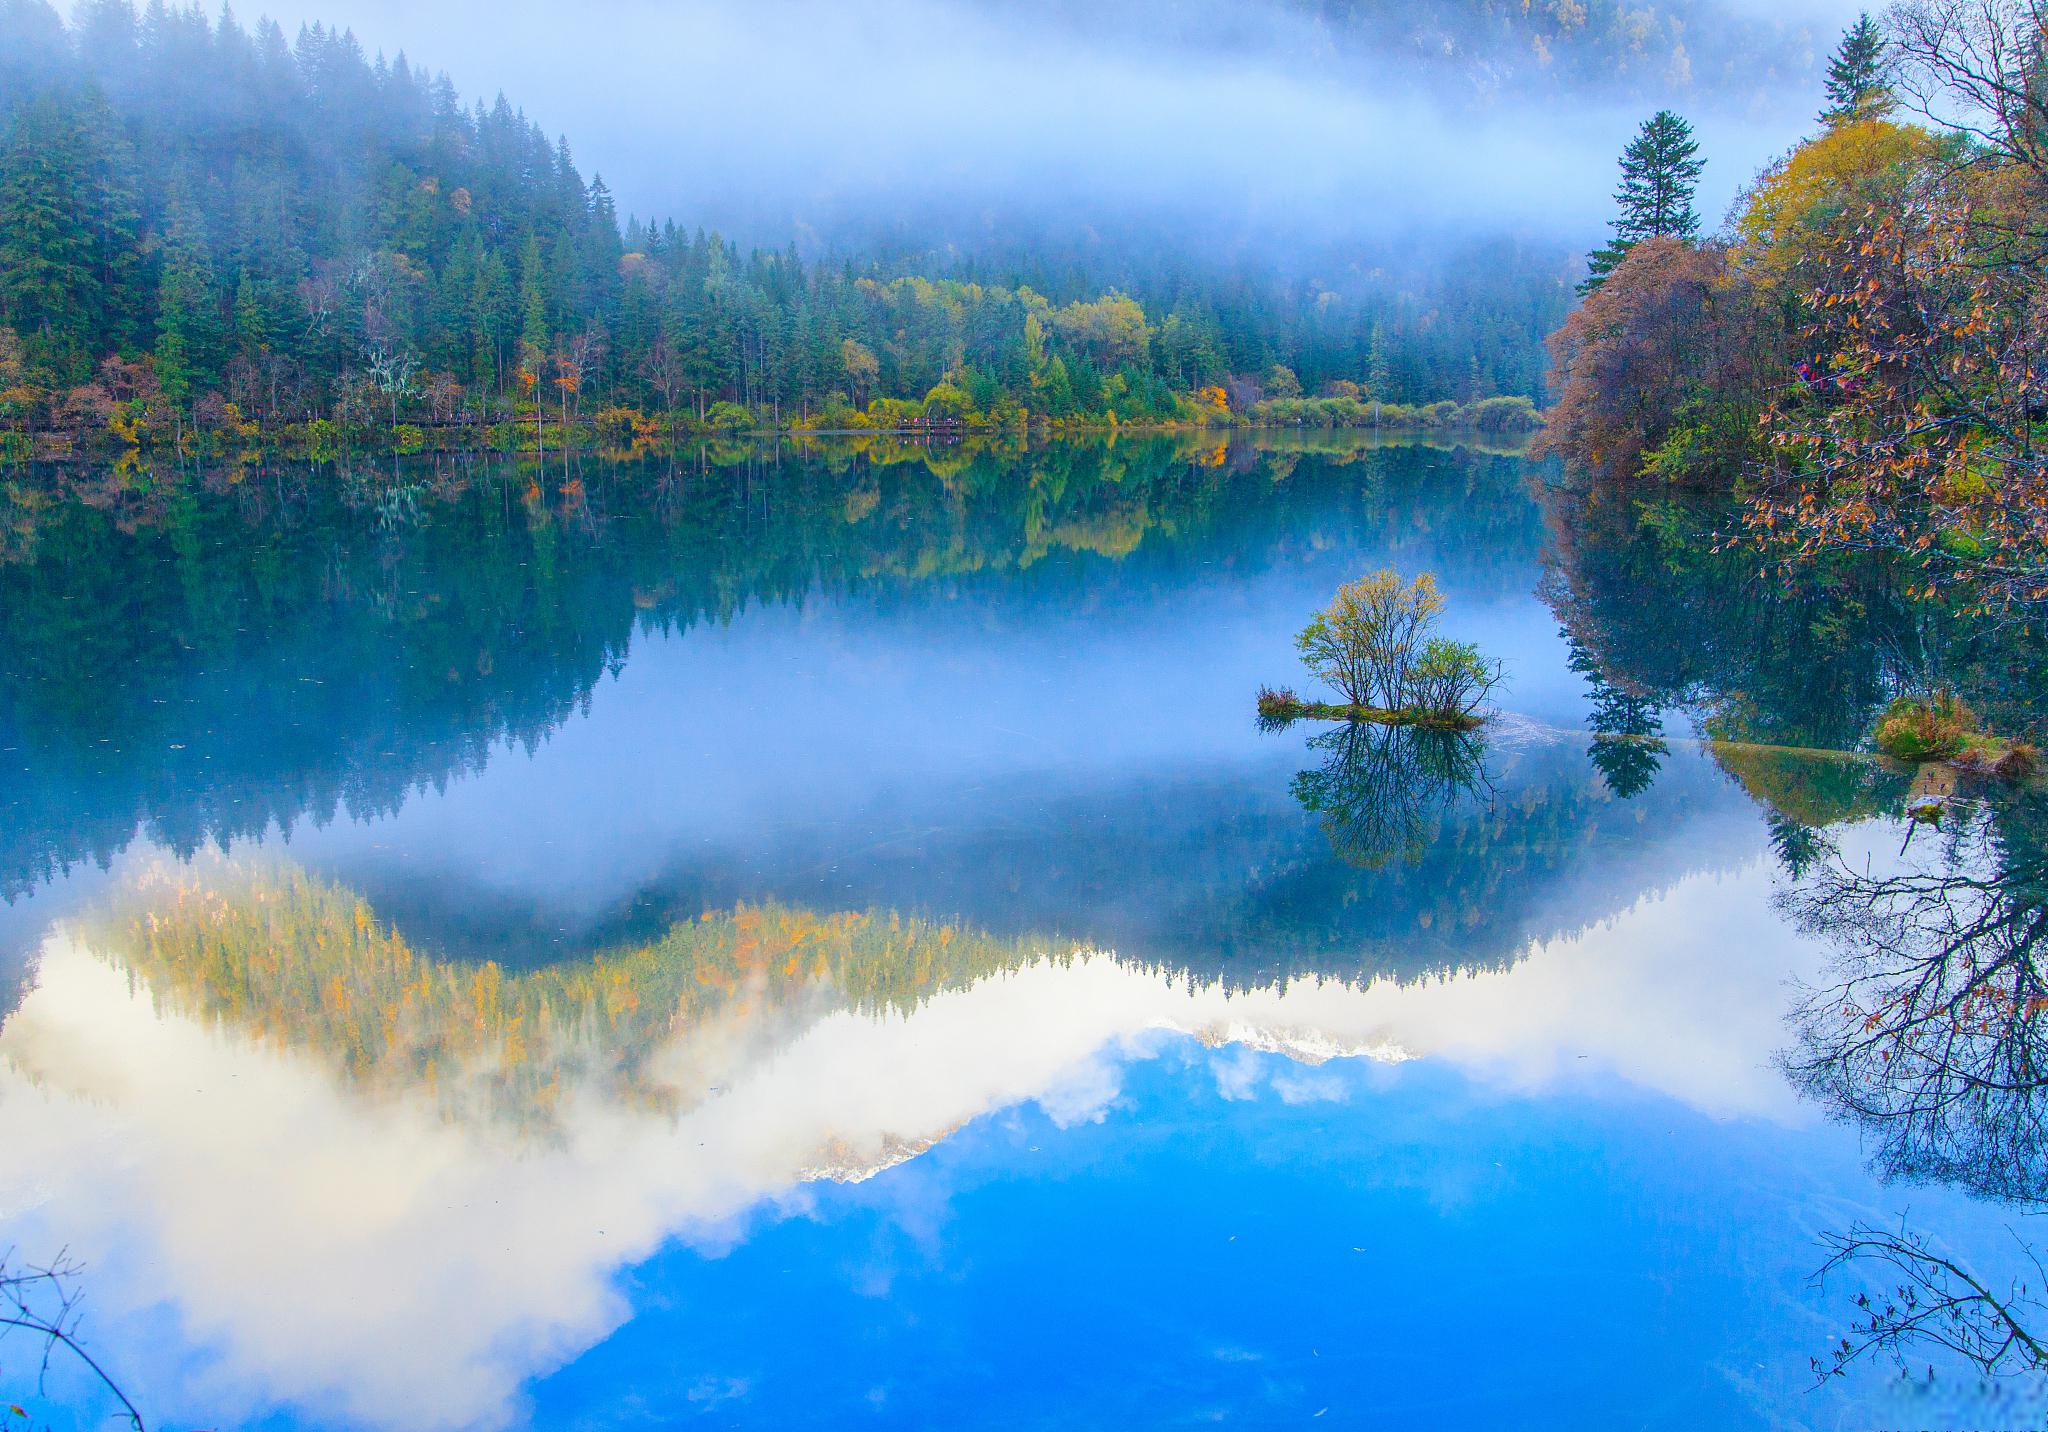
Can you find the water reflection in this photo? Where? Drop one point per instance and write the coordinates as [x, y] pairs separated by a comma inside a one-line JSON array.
[[390, 1188], [1929, 1035], [214, 655], [1933, 1034], [1925, 1035], [1380, 790], [619, 860]]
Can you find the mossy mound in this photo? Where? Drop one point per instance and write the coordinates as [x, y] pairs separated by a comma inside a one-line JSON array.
[[1925, 728]]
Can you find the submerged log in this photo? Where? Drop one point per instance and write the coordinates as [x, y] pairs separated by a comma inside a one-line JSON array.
[[1282, 707]]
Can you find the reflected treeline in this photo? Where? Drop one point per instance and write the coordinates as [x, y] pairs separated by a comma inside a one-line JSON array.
[[1665, 613], [1931, 1037], [1218, 874], [1456, 851], [202, 653], [274, 952]]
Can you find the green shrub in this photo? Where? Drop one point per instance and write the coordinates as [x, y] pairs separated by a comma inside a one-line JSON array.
[[728, 417], [1924, 728], [1504, 415]]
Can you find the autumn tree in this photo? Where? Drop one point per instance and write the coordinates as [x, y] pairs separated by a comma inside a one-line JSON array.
[[862, 369], [1792, 216], [1663, 367], [1919, 437], [1368, 639], [1916, 429]]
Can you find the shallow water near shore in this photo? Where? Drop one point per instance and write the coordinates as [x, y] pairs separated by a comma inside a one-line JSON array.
[[819, 937]]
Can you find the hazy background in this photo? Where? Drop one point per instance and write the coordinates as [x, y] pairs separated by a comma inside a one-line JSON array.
[[1245, 124]]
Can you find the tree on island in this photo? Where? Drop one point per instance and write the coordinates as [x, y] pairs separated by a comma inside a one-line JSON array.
[[1373, 643], [1858, 86], [1660, 173]]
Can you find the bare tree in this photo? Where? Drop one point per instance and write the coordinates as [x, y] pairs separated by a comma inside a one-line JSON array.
[[1931, 1037], [391, 372], [43, 1302], [1979, 67], [1932, 1302]]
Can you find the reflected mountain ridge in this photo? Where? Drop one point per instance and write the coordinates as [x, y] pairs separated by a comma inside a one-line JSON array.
[[292, 961], [275, 1058]]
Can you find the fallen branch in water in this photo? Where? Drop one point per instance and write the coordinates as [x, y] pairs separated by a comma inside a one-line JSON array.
[[1278, 708]]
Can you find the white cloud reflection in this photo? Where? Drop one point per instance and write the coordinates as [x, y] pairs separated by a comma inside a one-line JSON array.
[[368, 1260]]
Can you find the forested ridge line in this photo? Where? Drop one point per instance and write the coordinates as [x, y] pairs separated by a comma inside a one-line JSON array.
[[220, 236]]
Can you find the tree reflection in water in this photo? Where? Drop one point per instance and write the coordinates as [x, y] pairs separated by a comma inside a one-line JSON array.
[[1931, 1037], [1381, 789], [1626, 726]]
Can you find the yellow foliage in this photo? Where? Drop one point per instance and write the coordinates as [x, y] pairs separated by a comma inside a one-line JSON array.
[[1791, 210]]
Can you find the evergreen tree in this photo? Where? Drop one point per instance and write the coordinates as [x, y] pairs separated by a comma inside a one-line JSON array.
[[1660, 173], [1856, 85], [1378, 376], [49, 291], [188, 322]]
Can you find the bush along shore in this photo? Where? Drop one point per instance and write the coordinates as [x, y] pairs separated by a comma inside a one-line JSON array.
[[97, 425], [1282, 707], [1938, 728]]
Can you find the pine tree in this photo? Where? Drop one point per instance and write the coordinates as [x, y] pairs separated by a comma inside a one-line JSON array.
[[49, 290], [1856, 84], [1660, 172], [1378, 377], [188, 320]]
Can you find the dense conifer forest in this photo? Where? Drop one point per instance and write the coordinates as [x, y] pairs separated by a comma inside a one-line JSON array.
[[209, 227]]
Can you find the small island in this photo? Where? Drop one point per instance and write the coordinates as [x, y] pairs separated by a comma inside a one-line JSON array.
[[1374, 644]]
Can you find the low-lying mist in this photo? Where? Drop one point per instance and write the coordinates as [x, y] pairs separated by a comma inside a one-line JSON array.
[[1254, 126]]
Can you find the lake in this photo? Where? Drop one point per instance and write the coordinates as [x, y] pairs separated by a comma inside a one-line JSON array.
[[817, 937]]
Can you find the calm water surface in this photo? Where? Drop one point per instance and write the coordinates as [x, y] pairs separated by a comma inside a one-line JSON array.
[[821, 940]]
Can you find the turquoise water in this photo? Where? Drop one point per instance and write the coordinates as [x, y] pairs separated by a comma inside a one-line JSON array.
[[821, 940]]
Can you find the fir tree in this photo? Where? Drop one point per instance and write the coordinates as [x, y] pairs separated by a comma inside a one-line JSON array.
[[1660, 172], [1856, 83], [48, 288], [1378, 376], [188, 325]]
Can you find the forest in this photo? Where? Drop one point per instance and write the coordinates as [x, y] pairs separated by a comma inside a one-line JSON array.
[[214, 236], [1861, 353]]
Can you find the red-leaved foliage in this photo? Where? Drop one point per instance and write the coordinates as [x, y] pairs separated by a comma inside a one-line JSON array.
[[1675, 340]]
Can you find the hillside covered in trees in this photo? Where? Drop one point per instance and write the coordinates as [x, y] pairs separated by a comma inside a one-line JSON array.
[[207, 225], [1507, 47]]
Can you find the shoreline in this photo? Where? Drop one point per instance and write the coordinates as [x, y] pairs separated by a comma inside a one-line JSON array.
[[306, 443]]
